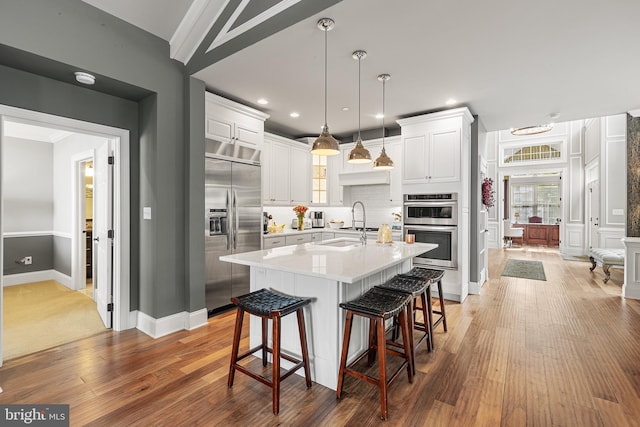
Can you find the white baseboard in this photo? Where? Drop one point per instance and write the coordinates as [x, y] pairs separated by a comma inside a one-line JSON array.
[[37, 276], [157, 328], [197, 319]]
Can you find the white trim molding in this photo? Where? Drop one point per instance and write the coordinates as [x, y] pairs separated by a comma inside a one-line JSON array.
[[157, 328], [37, 276], [631, 285]]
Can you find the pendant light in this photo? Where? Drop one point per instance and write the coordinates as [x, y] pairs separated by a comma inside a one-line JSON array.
[[325, 144], [359, 154], [383, 162]]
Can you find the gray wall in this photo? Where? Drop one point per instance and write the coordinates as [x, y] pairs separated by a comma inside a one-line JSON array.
[[72, 33], [40, 248]]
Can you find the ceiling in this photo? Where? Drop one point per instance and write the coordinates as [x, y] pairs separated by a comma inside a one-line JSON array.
[[512, 62]]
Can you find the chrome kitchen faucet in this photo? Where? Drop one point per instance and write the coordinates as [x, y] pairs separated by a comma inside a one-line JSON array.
[[363, 236]]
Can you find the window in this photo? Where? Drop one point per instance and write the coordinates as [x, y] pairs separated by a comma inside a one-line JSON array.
[[535, 199], [515, 155], [319, 189]]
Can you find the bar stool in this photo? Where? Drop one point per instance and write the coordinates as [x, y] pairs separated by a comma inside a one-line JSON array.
[[377, 305], [434, 276], [269, 305], [414, 287]]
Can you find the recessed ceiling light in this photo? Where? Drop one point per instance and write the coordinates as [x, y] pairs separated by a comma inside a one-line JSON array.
[[345, 108], [85, 78], [379, 116], [554, 116], [295, 115], [451, 101], [262, 101]]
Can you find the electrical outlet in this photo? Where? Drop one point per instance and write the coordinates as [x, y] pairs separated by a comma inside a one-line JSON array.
[[28, 260]]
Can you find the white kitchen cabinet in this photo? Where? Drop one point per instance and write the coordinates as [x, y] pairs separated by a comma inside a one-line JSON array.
[[316, 237], [273, 242], [432, 146], [326, 235], [232, 123], [286, 172], [336, 192], [300, 174], [296, 239]]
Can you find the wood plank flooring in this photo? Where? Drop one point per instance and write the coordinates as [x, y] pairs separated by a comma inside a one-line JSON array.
[[561, 352]]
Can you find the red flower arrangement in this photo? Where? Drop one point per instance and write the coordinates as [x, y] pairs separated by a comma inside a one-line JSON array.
[[488, 193], [300, 209]]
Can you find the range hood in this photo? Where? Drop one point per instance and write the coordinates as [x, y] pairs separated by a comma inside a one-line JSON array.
[[372, 177]]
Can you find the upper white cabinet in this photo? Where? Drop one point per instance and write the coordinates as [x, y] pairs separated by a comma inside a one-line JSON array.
[[286, 171], [234, 124], [432, 146]]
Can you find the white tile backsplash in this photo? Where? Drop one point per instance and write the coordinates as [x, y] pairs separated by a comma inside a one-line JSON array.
[[374, 197]]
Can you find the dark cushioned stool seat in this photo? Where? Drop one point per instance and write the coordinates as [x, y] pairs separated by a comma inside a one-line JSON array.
[[269, 305], [377, 305], [435, 276], [416, 288]]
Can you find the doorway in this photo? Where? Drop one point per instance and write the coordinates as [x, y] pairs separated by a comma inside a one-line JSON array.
[[118, 227]]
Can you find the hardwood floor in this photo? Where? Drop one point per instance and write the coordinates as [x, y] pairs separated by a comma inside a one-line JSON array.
[[559, 352]]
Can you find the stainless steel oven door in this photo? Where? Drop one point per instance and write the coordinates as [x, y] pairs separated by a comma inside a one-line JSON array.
[[431, 212], [446, 237]]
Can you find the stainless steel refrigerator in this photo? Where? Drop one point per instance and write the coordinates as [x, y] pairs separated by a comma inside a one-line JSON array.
[[233, 224]]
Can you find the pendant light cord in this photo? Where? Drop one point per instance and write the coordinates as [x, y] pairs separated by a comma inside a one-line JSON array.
[[326, 30], [383, 132], [359, 60]]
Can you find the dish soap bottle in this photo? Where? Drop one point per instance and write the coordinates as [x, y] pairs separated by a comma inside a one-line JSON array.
[[384, 234]]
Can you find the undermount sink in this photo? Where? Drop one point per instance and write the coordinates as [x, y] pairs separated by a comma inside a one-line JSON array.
[[341, 242]]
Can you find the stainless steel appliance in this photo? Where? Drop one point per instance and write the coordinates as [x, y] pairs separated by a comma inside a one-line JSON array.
[[233, 224], [433, 218], [317, 219]]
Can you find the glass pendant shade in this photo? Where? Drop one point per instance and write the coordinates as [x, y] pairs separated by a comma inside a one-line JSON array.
[[359, 154], [325, 144], [383, 162]]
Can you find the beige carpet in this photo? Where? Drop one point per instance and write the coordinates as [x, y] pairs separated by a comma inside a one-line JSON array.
[[42, 315]]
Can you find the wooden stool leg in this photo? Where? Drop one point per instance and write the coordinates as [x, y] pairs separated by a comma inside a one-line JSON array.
[[407, 342], [442, 313], [428, 322], [235, 346], [303, 345], [371, 356], [345, 351], [265, 337], [382, 363], [409, 319], [275, 363]]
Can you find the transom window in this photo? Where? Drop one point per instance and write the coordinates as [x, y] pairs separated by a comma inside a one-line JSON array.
[[533, 153], [319, 189]]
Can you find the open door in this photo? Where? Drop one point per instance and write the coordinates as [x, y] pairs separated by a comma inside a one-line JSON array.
[[103, 232], [593, 205]]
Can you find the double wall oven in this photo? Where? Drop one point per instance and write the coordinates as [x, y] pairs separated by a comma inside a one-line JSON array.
[[433, 218]]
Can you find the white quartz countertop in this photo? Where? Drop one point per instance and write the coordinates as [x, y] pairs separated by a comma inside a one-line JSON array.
[[345, 231], [342, 263]]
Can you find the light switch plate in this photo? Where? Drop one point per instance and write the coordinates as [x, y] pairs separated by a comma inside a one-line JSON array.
[[146, 212], [617, 211]]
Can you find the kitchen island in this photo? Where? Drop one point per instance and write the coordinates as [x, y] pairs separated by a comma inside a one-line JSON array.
[[329, 273]]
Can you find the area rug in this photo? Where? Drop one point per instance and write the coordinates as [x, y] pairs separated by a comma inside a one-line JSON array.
[[524, 269]]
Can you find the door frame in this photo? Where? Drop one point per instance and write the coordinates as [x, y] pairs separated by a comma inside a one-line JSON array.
[[122, 317], [78, 238]]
